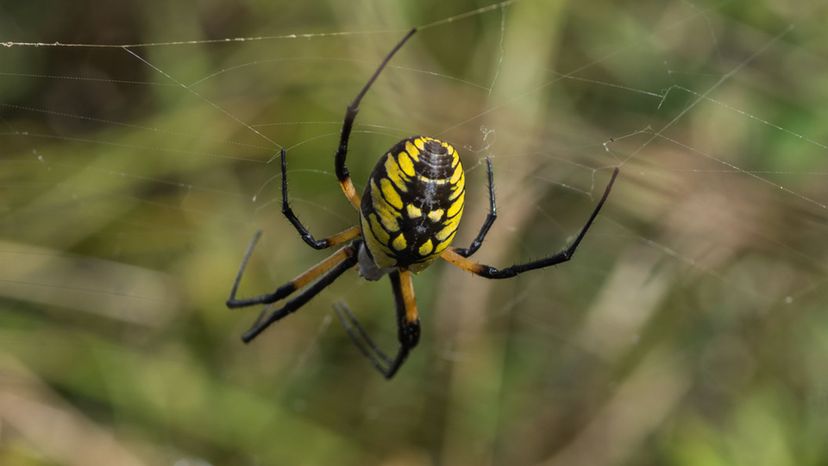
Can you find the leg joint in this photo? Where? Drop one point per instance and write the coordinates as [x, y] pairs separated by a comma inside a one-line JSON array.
[[491, 272], [342, 173], [409, 334]]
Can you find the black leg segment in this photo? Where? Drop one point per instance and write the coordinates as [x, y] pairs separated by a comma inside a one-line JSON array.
[[281, 292], [306, 235], [490, 218], [350, 115], [455, 258], [408, 332], [299, 301]]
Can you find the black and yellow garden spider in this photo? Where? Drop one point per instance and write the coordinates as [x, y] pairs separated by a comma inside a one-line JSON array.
[[409, 214]]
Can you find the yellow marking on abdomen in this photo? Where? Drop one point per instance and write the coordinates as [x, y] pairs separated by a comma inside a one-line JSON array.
[[387, 214], [413, 212], [436, 215], [380, 250], [394, 173], [389, 222], [455, 177], [390, 194], [399, 242], [457, 189], [412, 151], [406, 164], [442, 246], [426, 179], [455, 207], [449, 229], [426, 248], [377, 230]]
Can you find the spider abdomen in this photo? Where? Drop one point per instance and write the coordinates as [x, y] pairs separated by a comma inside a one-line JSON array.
[[412, 203]]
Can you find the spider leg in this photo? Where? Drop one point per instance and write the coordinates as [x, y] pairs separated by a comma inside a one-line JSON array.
[[452, 256], [360, 337], [330, 274], [342, 173], [490, 217], [306, 235], [408, 326], [283, 291]]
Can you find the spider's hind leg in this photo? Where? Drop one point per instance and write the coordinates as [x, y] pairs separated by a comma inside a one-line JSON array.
[[360, 337], [408, 327]]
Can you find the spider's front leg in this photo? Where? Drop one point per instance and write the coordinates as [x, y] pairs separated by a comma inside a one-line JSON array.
[[342, 173]]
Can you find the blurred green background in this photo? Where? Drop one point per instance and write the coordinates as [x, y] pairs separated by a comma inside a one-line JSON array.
[[689, 330]]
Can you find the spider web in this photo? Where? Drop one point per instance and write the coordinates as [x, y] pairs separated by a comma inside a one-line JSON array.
[[138, 160]]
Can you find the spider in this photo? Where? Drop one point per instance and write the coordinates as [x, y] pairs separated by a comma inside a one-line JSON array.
[[408, 217]]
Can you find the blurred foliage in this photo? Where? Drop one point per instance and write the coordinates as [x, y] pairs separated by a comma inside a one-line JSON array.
[[689, 330]]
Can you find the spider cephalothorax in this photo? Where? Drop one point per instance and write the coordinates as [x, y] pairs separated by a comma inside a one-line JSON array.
[[408, 217]]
